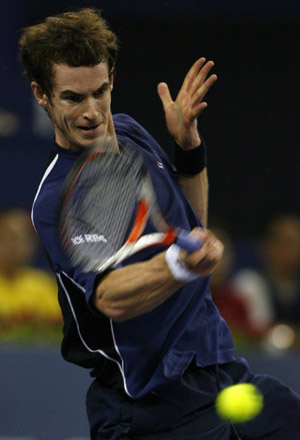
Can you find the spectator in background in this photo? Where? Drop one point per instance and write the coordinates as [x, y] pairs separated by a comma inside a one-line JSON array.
[[9, 123], [230, 303], [272, 292], [28, 296]]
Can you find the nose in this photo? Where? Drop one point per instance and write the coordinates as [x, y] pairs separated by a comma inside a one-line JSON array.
[[90, 111]]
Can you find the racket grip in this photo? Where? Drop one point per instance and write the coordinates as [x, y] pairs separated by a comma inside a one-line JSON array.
[[188, 243]]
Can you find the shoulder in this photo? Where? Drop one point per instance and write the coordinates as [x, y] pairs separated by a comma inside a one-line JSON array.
[[126, 125], [125, 122], [128, 128], [53, 177]]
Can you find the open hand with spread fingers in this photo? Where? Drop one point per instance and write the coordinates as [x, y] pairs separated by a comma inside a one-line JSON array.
[[181, 114]]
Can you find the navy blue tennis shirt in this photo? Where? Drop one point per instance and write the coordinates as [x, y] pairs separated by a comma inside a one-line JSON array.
[[153, 350]]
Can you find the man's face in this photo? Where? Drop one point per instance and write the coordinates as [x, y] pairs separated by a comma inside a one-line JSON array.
[[80, 105]]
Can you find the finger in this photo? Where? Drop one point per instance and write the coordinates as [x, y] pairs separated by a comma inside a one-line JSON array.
[[206, 265], [201, 76], [211, 251], [192, 74], [214, 254], [164, 94], [196, 259], [196, 111], [201, 91], [197, 103]]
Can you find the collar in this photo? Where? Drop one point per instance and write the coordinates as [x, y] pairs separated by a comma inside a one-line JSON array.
[[65, 152]]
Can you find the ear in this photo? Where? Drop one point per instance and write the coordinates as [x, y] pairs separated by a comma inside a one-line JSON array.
[[111, 80], [40, 96]]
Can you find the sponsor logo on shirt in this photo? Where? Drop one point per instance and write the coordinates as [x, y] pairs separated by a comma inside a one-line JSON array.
[[88, 238]]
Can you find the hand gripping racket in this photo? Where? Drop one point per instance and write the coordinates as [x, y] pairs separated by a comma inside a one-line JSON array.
[[107, 199]]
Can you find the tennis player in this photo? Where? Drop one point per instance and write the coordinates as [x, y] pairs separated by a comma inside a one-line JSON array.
[[149, 331]]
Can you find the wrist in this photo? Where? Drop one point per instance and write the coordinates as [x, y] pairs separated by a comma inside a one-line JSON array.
[[177, 267], [190, 162]]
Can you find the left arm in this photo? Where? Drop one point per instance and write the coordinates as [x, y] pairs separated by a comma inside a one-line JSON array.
[[181, 118], [195, 189]]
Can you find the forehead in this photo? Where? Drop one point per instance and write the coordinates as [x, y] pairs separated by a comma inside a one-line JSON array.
[[79, 79]]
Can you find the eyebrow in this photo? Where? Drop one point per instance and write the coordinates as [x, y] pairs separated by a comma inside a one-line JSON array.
[[72, 92], [66, 93]]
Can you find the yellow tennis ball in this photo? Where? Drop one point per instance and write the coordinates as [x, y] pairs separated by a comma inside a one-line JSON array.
[[239, 403]]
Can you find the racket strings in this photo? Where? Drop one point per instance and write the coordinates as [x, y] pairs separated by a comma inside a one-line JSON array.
[[106, 191]]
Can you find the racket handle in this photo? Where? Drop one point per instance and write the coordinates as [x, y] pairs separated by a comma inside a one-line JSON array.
[[188, 243]]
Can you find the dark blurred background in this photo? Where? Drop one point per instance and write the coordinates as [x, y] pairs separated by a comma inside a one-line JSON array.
[[251, 125]]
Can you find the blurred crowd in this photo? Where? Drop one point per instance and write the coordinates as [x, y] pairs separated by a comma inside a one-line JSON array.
[[256, 285], [29, 309]]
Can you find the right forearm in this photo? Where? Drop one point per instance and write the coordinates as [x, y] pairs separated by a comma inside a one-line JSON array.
[[136, 289], [141, 287]]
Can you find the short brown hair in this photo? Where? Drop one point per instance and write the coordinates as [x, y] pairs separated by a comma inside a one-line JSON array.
[[80, 38]]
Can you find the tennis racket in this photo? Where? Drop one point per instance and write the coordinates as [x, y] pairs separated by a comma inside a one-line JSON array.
[[107, 199]]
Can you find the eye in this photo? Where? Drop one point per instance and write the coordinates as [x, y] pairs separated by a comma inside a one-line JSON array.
[[101, 91], [73, 98]]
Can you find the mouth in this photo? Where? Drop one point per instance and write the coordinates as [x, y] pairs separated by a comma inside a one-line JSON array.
[[89, 128]]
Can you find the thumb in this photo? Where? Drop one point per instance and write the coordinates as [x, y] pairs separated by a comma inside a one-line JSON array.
[[164, 94]]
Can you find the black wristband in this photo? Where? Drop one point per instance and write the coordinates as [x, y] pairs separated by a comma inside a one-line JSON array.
[[190, 162]]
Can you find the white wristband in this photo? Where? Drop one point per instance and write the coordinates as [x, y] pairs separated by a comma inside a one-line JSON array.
[[177, 267]]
